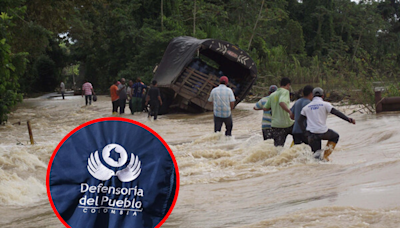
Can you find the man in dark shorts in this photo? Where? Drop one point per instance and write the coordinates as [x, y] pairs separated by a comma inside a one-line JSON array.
[[316, 113], [223, 101], [278, 103], [154, 98], [87, 90], [298, 134], [122, 96], [266, 120], [114, 97], [137, 93]]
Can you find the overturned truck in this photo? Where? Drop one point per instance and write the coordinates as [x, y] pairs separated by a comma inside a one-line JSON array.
[[191, 68]]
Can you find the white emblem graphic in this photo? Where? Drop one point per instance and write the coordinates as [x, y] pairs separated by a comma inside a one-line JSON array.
[[109, 153], [123, 156]]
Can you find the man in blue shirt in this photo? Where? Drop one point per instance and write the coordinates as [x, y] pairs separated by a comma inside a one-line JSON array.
[[224, 101], [266, 120], [298, 134], [137, 94]]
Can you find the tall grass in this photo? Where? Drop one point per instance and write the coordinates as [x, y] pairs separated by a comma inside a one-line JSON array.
[[354, 80]]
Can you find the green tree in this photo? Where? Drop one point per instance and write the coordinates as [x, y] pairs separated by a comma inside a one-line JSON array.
[[11, 68]]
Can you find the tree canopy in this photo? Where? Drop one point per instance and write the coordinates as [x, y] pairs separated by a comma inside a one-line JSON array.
[[311, 41]]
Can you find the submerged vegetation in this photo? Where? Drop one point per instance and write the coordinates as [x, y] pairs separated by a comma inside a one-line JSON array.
[[340, 45]]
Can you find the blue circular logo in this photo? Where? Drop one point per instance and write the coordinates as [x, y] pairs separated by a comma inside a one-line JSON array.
[[112, 172]]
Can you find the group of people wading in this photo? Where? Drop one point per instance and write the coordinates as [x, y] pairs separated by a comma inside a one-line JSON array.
[[121, 92], [134, 92], [305, 120]]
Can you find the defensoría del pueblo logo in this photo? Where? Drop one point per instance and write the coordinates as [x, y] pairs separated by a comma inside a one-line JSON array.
[[112, 172]]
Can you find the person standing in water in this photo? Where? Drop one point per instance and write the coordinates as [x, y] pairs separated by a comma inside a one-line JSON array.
[[298, 134], [315, 114], [278, 103], [114, 97], [223, 100], [154, 98], [266, 119], [87, 90], [122, 96], [129, 95], [62, 89], [138, 89]]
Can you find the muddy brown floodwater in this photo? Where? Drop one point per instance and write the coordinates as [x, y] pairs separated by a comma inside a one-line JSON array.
[[240, 181]]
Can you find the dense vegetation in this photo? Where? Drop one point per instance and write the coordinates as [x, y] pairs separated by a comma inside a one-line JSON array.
[[331, 43]]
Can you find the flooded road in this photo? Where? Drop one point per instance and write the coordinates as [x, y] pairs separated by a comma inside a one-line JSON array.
[[239, 181]]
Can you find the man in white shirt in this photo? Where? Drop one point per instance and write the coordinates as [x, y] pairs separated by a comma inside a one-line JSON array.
[[87, 90], [316, 113], [62, 89], [224, 101]]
